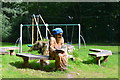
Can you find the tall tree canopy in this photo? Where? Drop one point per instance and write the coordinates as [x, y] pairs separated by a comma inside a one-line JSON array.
[[99, 21]]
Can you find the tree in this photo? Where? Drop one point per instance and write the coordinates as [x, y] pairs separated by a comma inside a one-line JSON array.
[[11, 12], [98, 20]]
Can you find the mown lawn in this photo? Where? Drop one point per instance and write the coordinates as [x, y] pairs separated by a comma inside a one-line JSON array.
[[83, 67]]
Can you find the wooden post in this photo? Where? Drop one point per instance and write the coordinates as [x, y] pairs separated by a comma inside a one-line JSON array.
[[11, 52], [37, 26], [105, 58], [32, 30], [41, 64], [45, 25], [98, 60], [25, 59]]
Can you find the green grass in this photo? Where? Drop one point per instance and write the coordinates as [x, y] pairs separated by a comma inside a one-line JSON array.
[[83, 67]]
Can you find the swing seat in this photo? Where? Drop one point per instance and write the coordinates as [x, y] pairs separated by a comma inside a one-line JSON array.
[[30, 45], [69, 42]]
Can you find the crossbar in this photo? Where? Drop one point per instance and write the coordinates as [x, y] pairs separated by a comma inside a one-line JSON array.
[[27, 25], [51, 25]]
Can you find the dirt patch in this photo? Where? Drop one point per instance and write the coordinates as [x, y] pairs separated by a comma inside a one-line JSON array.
[[70, 76]]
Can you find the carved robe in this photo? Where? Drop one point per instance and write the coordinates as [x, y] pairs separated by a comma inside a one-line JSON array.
[[61, 57]]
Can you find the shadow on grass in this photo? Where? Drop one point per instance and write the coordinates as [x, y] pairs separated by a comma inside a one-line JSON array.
[[34, 65], [91, 61]]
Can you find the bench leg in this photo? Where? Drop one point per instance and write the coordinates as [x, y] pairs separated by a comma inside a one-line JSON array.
[[25, 61], [11, 52], [98, 60], [41, 64], [105, 58]]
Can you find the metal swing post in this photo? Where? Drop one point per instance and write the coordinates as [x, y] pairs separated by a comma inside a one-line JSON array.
[[79, 36], [46, 27], [46, 31], [21, 38], [37, 28]]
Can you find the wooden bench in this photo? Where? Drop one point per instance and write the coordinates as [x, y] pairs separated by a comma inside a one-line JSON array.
[[99, 53], [27, 57], [2, 52], [11, 49]]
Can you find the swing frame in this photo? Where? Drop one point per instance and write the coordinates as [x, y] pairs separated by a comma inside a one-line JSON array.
[[42, 25]]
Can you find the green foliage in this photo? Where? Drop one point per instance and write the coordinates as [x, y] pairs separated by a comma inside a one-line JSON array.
[[99, 21], [10, 13], [6, 27]]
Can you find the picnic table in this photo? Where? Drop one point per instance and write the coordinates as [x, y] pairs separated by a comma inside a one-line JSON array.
[[100, 53], [4, 50]]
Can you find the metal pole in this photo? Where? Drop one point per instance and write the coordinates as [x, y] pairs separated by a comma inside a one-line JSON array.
[[37, 28], [79, 36], [83, 41], [21, 38], [45, 24], [46, 31]]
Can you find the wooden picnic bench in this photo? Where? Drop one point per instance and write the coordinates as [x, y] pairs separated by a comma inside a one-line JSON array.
[[3, 50], [100, 53], [27, 57]]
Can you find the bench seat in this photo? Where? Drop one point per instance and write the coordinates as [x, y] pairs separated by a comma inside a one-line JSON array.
[[3, 50], [103, 53], [32, 56], [27, 57], [100, 53]]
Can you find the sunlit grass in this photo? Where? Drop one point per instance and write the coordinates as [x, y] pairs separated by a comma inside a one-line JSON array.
[[83, 67]]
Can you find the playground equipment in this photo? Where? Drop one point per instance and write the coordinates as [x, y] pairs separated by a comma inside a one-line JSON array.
[[47, 30], [38, 30]]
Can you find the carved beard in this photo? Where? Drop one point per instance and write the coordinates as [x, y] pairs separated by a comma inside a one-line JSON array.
[[58, 37]]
